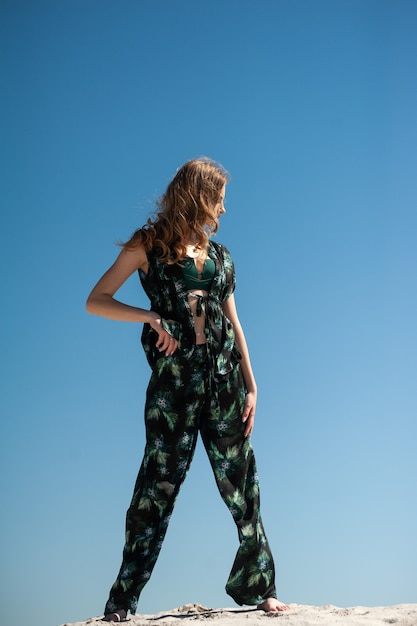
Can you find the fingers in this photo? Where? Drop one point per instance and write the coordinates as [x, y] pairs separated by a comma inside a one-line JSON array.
[[249, 426], [166, 343], [248, 418], [173, 345], [248, 415]]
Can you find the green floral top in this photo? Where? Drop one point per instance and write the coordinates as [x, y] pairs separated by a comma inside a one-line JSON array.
[[165, 286]]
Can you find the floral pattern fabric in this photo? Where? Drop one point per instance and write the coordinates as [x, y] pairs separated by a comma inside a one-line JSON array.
[[166, 288], [198, 389]]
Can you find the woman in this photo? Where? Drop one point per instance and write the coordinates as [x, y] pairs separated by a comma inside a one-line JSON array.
[[201, 381]]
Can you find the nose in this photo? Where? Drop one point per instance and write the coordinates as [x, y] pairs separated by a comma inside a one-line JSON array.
[[222, 209]]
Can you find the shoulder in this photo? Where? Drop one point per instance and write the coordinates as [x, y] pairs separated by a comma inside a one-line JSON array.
[[224, 257], [134, 257], [221, 249]]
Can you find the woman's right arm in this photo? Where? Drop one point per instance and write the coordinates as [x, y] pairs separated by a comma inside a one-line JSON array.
[[101, 300]]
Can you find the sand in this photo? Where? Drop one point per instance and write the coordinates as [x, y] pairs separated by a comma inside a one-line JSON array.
[[298, 615]]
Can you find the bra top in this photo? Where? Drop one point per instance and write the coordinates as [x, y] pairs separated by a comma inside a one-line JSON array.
[[194, 279]]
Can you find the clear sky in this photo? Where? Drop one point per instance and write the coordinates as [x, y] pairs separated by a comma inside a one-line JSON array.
[[311, 105]]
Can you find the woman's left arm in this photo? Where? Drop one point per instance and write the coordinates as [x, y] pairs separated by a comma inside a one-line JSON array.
[[248, 416]]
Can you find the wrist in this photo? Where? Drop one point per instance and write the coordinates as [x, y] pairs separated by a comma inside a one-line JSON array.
[[154, 317]]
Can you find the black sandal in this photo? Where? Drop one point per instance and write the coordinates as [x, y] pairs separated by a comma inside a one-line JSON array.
[[116, 616]]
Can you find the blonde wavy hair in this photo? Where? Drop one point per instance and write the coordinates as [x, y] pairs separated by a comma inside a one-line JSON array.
[[187, 208]]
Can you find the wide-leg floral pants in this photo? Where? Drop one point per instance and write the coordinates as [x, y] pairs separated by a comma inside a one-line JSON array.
[[181, 401]]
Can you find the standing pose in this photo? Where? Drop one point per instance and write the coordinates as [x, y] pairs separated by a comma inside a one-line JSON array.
[[201, 382]]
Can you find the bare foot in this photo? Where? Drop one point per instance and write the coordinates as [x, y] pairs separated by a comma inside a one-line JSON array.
[[117, 616], [272, 605]]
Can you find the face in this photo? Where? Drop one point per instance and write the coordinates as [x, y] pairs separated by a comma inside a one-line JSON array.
[[220, 206]]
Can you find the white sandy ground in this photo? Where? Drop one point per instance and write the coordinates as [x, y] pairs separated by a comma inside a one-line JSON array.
[[298, 615]]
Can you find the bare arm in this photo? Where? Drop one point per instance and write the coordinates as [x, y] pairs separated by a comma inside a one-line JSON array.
[[101, 300], [248, 416]]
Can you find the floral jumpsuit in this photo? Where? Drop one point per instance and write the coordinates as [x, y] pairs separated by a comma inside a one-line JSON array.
[[199, 388]]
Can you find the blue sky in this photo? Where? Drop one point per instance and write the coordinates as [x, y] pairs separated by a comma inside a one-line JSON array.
[[311, 105]]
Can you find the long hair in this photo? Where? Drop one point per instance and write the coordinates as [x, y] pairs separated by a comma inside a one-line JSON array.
[[187, 207]]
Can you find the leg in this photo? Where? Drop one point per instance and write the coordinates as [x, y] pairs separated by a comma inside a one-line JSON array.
[[252, 579], [171, 417]]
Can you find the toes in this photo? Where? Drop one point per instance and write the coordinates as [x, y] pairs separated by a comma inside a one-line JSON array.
[[271, 605]]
